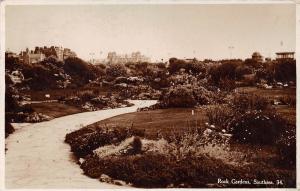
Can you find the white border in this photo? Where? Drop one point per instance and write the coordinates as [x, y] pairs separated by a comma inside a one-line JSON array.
[[84, 2]]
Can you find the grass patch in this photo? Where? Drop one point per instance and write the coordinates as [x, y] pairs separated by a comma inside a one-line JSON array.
[[160, 122], [55, 109]]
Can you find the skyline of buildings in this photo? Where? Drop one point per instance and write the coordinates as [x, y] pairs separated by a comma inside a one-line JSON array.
[[40, 53], [60, 53]]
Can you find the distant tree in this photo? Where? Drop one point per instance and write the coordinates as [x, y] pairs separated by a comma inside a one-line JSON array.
[[80, 70], [115, 70], [141, 68], [227, 71], [285, 70], [175, 65], [180, 96], [252, 63], [241, 70]]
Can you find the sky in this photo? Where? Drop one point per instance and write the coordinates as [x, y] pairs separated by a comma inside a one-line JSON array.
[[158, 31]]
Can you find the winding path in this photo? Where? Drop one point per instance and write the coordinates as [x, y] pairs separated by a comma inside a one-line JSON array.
[[37, 156]]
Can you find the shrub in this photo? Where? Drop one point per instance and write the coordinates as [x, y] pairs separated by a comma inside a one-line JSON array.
[[264, 74], [136, 145], [8, 129], [203, 96], [27, 108], [243, 102], [226, 70], [286, 145], [85, 140], [288, 100], [285, 71], [241, 70], [80, 71], [219, 115], [40, 77], [257, 127], [11, 105], [227, 84], [115, 70], [86, 95], [157, 171], [153, 170], [180, 96], [187, 96]]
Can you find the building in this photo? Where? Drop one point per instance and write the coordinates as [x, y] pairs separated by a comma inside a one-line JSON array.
[[256, 56], [285, 55], [35, 58], [59, 53], [67, 53], [31, 57], [135, 57], [9, 54]]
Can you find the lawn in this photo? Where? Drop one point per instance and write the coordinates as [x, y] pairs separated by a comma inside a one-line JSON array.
[[269, 93], [286, 111], [54, 109], [164, 121], [58, 93]]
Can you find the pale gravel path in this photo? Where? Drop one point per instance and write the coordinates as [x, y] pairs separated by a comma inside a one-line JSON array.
[[37, 156]]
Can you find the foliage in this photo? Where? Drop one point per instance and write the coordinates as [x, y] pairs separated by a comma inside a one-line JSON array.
[[243, 102], [40, 77], [115, 70], [286, 145], [193, 66], [227, 70], [80, 71], [241, 70], [264, 74], [285, 71], [257, 127], [180, 96], [288, 100], [219, 115], [8, 129], [10, 102], [85, 140]]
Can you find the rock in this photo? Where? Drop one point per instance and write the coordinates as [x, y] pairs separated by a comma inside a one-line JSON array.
[[119, 182], [105, 178], [81, 160], [115, 150]]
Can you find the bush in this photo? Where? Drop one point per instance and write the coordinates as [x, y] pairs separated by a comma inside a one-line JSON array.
[[257, 127], [40, 77], [180, 96], [136, 145], [288, 100], [80, 71], [158, 171], [115, 70], [8, 129], [85, 140], [220, 115], [153, 170], [241, 70], [193, 66], [225, 71], [86, 95], [243, 102], [286, 145], [227, 84], [11, 104], [285, 71]]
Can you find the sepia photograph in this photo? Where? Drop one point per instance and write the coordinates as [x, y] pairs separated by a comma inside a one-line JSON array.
[[147, 94]]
